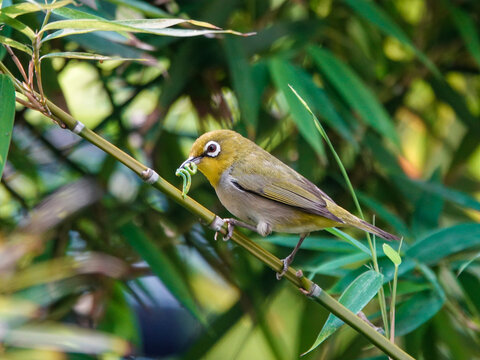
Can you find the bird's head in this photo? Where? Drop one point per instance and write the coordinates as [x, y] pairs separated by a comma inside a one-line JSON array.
[[215, 151]]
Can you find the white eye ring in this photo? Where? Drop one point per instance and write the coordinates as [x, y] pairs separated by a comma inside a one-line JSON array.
[[212, 149]]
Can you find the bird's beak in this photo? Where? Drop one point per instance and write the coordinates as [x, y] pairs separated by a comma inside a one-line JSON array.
[[191, 159]]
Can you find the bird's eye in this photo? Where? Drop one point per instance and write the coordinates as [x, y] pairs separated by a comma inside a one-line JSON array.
[[212, 149]]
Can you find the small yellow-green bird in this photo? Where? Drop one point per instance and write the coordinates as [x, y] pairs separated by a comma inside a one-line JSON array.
[[266, 194]]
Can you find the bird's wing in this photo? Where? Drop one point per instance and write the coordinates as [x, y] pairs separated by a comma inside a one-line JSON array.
[[284, 185]]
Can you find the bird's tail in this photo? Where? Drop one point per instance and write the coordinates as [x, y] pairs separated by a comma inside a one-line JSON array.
[[354, 221]]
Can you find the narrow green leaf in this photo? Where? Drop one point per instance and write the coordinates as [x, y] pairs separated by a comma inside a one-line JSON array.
[[416, 311], [355, 92], [467, 29], [344, 236], [7, 114], [445, 242], [161, 266], [85, 56], [454, 196], [17, 25], [427, 208], [29, 7], [5, 31], [338, 262], [318, 100], [282, 76], [375, 15], [243, 82], [15, 44], [150, 26], [311, 243], [355, 297], [392, 254]]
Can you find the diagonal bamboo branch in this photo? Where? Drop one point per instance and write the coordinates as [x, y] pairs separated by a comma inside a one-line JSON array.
[[311, 289]]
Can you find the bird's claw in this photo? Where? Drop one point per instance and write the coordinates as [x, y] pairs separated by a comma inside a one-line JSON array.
[[230, 227], [286, 263]]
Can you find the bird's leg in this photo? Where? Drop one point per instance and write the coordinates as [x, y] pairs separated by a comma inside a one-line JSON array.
[[289, 259], [231, 223]]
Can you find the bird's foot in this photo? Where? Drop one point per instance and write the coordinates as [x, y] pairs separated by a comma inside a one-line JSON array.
[[230, 227], [286, 263]]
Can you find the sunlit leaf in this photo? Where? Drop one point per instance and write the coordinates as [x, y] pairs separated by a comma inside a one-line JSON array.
[[7, 114], [17, 25], [85, 56], [392, 254], [15, 44], [30, 6], [355, 297]]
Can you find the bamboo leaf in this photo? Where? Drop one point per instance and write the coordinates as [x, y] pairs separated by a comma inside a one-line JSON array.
[[375, 15], [416, 311], [392, 254], [355, 297], [282, 76], [445, 242], [7, 114], [86, 56], [355, 92], [29, 7], [17, 25], [243, 82], [15, 44], [150, 26]]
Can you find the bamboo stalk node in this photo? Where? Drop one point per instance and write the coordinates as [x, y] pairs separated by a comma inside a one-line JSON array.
[[150, 176], [217, 223], [78, 128]]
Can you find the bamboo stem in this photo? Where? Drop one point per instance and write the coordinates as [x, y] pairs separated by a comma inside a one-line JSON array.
[[310, 288]]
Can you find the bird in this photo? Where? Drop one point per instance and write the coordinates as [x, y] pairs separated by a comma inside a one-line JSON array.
[[264, 193]]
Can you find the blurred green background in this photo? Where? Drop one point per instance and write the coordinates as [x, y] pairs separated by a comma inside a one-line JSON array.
[[96, 264]]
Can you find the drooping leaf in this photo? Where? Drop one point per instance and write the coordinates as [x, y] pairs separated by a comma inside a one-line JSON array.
[[355, 92], [7, 114], [282, 76], [28, 7], [355, 297]]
